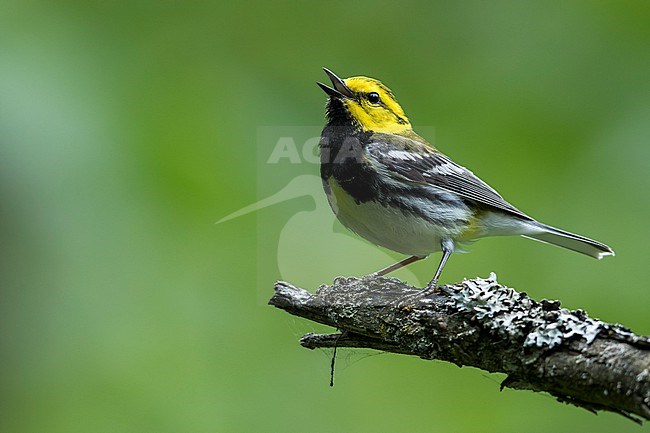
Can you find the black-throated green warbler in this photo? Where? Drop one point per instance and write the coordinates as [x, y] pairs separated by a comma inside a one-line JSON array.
[[391, 187]]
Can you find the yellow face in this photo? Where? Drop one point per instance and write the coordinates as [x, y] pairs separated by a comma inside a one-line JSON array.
[[374, 107]]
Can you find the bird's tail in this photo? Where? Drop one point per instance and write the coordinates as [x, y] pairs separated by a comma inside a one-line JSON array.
[[581, 244]]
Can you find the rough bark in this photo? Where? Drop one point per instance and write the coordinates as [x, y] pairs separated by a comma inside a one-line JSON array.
[[480, 323]]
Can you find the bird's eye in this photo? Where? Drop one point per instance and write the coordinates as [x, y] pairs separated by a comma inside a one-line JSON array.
[[373, 97]]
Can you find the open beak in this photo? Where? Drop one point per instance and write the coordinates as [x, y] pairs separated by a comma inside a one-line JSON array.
[[339, 90]]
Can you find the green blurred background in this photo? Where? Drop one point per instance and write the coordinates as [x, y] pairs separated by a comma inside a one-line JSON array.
[[128, 128]]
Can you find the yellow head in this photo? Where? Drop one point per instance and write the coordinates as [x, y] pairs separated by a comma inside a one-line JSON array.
[[367, 103]]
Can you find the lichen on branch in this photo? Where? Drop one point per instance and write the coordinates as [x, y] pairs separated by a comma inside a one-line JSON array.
[[480, 323]]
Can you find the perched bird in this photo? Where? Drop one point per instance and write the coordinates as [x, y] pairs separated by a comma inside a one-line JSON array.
[[390, 186]]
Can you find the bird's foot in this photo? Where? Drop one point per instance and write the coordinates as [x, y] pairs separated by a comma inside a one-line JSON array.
[[429, 289]]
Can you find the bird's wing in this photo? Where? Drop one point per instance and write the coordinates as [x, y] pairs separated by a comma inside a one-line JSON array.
[[412, 161]]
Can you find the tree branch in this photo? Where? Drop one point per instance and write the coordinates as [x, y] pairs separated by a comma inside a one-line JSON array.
[[480, 323]]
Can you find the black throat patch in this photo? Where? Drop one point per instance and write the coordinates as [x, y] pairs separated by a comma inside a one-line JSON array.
[[342, 147]]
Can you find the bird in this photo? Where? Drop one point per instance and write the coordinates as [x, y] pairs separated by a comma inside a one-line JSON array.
[[389, 185]]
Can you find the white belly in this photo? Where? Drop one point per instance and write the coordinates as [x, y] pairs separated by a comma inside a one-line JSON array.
[[391, 227]]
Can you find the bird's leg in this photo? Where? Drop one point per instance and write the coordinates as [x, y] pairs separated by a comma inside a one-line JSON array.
[[398, 265], [447, 249]]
